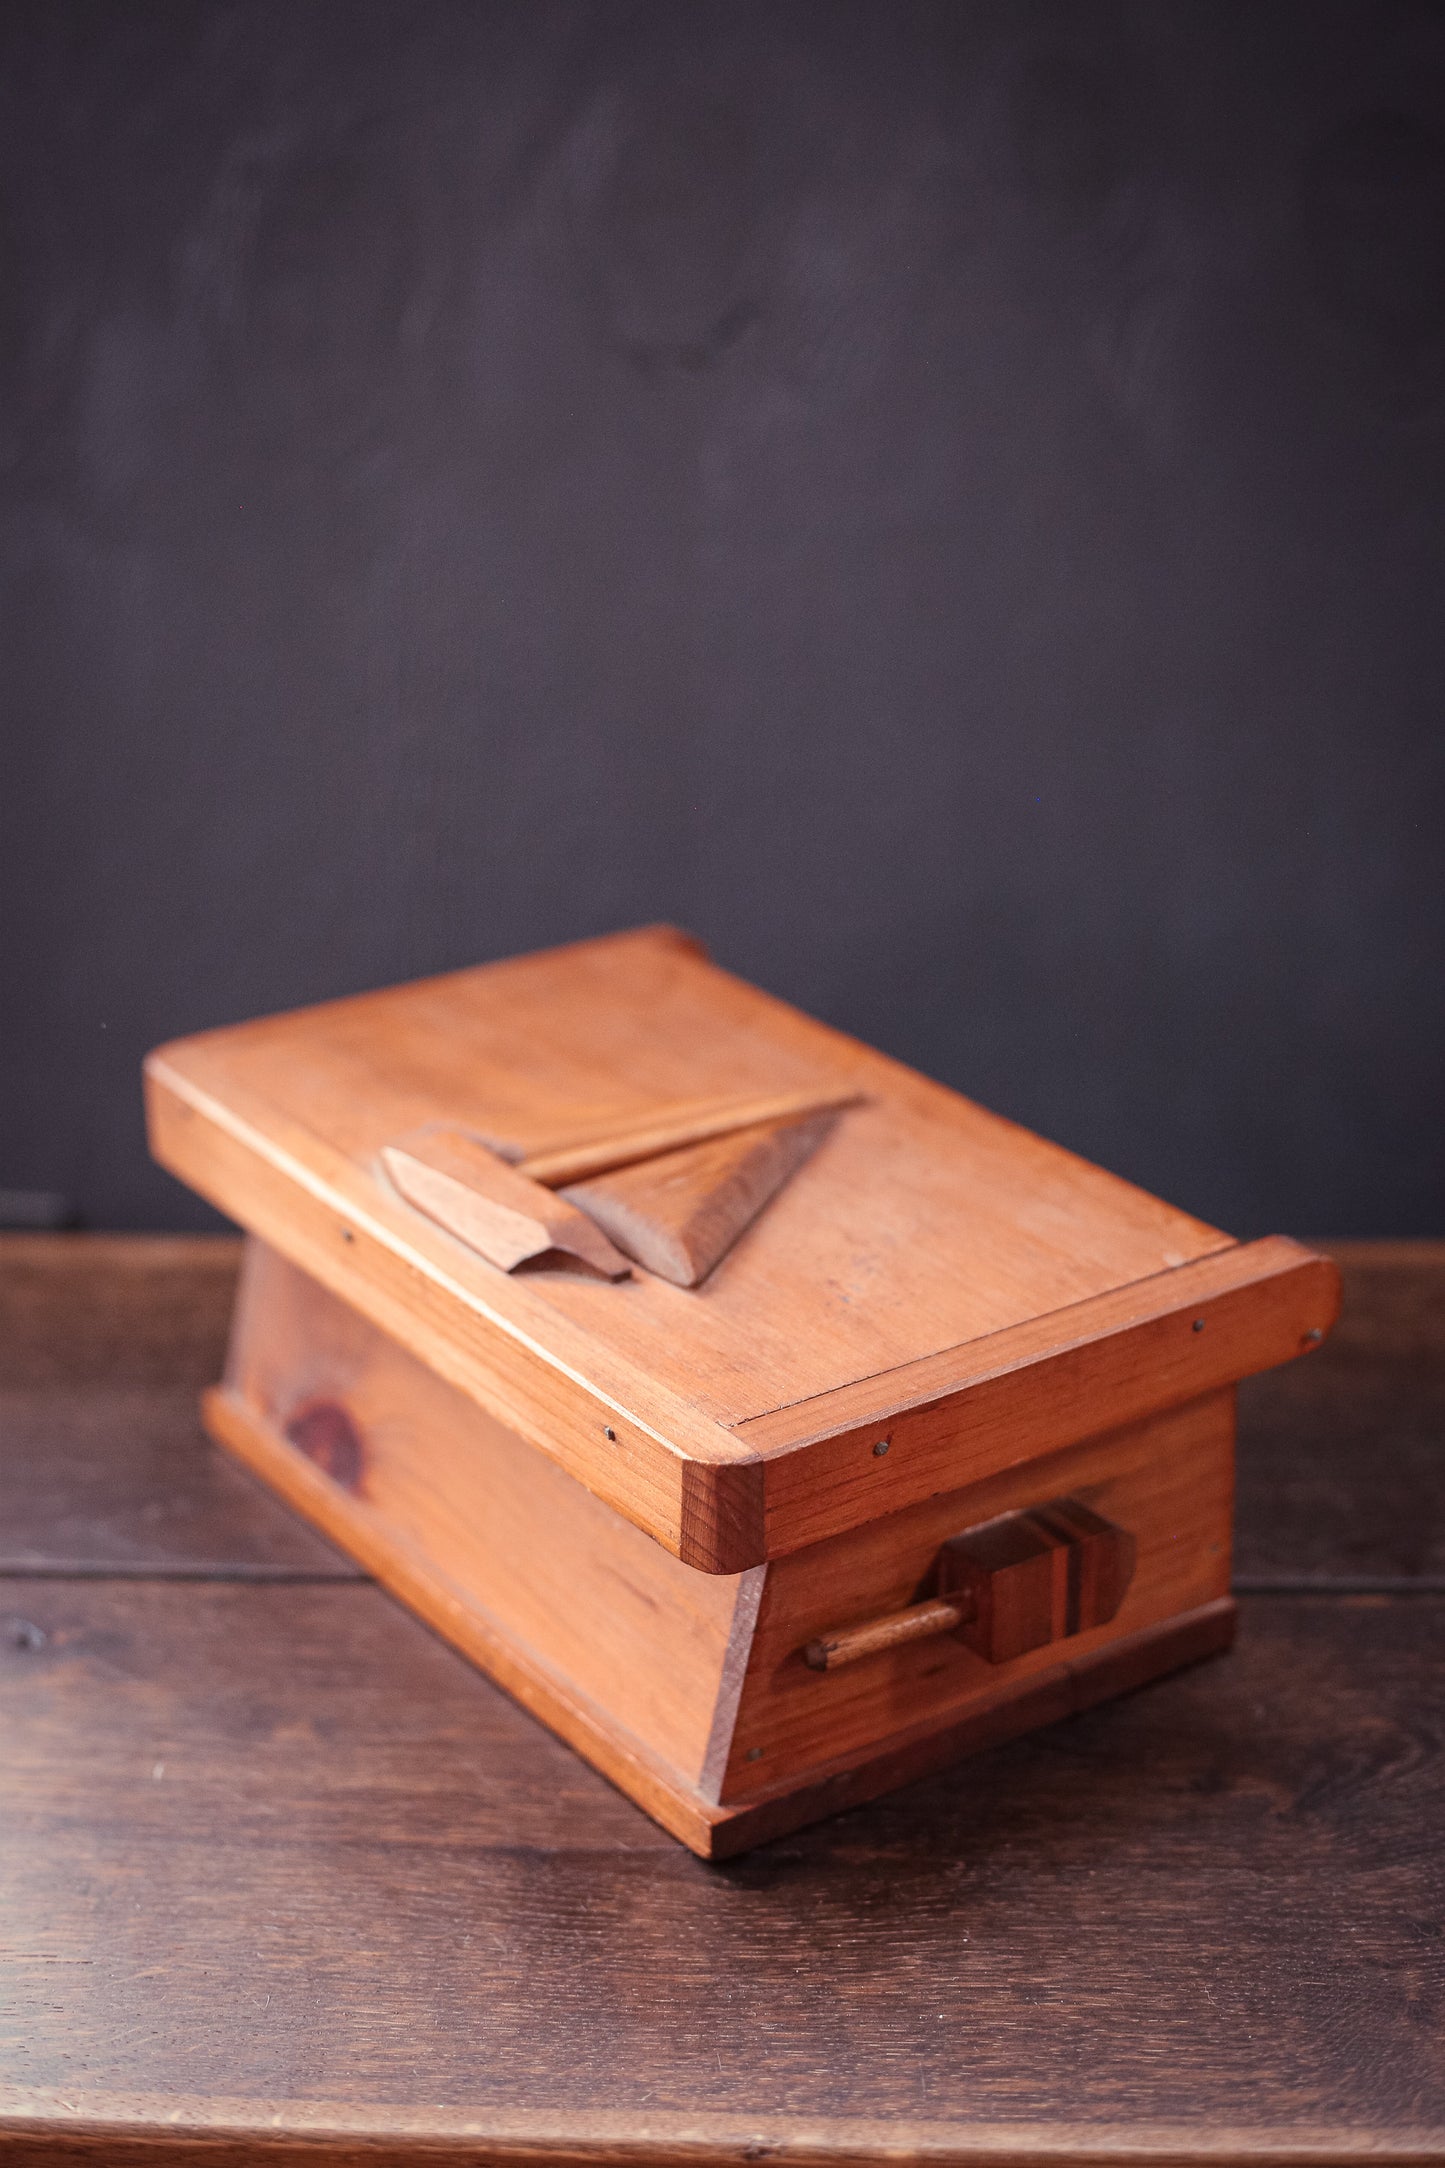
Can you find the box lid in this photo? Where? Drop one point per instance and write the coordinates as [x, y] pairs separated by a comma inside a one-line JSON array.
[[931, 1293]]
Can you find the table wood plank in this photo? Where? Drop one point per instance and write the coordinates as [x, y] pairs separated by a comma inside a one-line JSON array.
[[278, 1844], [1342, 1455], [281, 1876], [115, 1309], [124, 1480]]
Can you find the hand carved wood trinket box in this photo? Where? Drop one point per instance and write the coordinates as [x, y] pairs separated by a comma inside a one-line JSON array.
[[773, 1423]]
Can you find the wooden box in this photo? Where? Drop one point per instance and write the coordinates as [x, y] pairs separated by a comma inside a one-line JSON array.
[[772, 1422]]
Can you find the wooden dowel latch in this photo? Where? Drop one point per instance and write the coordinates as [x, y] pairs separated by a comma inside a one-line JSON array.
[[1010, 1585], [919, 1622]]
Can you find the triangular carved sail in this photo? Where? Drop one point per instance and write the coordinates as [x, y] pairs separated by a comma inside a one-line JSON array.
[[673, 1191], [680, 1213]]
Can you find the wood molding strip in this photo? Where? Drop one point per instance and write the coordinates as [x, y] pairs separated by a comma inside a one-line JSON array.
[[43, 2124], [955, 1418]]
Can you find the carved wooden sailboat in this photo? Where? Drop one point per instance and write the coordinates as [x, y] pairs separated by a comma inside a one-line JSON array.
[[772, 1422]]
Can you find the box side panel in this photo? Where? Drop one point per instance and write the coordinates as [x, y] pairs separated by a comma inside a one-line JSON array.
[[1045, 1697], [643, 1665], [651, 1460], [504, 1535], [1169, 1482]]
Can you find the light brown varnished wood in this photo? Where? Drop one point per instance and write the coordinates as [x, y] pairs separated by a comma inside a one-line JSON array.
[[1072, 1682], [616, 1643], [680, 1214], [619, 1383], [920, 1229], [653, 1671], [1168, 1481], [1021, 1394], [916, 1622], [96, 1315], [673, 1130], [369, 1912], [1013, 1583], [495, 1209], [674, 1472], [1000, 1226]]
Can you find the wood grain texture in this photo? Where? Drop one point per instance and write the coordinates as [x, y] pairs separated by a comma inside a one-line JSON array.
[[115, 1310], [630, 1654], [584, 1618], [672, 1130], [369, 1911], [328, 2135], [916, 1622], [678, 1473], [92, 1311], [680, 1214], [1036, 1575], [126, 1481], [1000, 1226], [367, 1897], [1168, 1481], [924, 1250], [492, 1207], [968, 1413], [416, 1580]]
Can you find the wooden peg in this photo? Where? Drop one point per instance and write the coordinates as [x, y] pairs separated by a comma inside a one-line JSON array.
[[1010, 1585], [1034, 1577], [920, 1622], [672, 1127]]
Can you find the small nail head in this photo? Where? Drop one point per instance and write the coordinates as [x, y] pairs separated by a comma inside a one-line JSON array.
[[755, 1753], [609, 1433], [1199, 1324], [347, 1235], [1314, 1335], [881, 1448]]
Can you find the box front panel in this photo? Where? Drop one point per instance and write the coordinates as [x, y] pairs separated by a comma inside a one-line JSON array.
[[1167, 1484]]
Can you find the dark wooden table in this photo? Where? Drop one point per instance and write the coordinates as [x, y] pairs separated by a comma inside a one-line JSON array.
[[282, 1875]]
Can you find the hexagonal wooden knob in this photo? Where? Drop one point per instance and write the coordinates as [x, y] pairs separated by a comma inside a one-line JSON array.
[[1030, 1578]]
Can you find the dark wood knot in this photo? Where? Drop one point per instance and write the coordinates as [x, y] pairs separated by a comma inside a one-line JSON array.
[[324, 1431]]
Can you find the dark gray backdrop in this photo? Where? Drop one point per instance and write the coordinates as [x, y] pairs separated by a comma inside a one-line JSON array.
[[943, 500]]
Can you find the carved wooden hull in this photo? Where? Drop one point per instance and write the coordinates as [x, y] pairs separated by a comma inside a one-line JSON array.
[[690, 1690], [774, 1423]]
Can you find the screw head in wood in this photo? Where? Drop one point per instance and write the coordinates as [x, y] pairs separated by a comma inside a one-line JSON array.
[[609, 1433], [1199, 1324], [881, 1448]]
